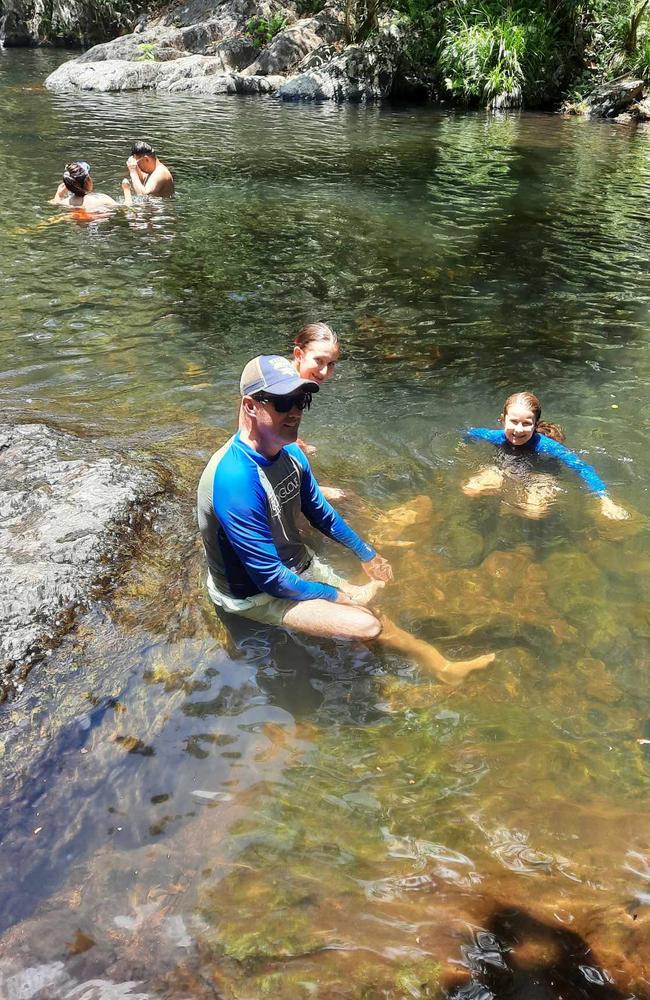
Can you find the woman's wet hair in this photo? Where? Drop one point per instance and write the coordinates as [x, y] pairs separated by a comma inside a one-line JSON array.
[[142, 148], [532, 403], [315, 333], [75, 176]]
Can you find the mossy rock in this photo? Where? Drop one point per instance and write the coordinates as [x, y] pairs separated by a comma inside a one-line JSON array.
[[464, 546], [253, 917]]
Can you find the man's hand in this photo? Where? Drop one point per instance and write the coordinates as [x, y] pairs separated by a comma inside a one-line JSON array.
[[378, 569], [613, 510], [342, 598], [132, 163]]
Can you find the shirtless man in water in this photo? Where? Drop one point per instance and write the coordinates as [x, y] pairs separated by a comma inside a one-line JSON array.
[[148, 174], [249, 500]]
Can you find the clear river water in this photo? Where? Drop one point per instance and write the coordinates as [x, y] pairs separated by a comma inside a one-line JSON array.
[[186, 813]]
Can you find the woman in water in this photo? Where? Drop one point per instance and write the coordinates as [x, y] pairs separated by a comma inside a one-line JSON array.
[[524, 438], [315, 354], [76, 191]]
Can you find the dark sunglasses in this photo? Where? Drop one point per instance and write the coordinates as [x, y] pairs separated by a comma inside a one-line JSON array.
[[282, 404]]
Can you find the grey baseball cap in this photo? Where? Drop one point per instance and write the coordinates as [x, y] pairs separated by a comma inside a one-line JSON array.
[[273, 374]]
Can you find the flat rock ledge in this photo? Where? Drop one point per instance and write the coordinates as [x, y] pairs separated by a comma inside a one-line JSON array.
[[67, 508], [193, 74]]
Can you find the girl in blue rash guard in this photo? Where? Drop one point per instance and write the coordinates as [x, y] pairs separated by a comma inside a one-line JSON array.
[[524, 439]]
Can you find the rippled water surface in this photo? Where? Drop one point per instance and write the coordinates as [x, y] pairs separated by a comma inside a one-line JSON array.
[[188, 813]]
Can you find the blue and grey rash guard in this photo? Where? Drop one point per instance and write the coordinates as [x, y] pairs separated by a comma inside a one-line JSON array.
[[248, 507], [544, 446]]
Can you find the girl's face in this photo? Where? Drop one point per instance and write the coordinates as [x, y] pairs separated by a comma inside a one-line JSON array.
[[316, 362], [519, 424]]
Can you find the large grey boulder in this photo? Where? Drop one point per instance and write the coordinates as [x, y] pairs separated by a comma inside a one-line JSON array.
[[66, 505], [227, 20], [191, 74], [360, 73]]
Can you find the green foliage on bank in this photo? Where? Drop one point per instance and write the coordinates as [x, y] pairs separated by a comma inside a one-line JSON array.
[[530, 52], [264, 29]]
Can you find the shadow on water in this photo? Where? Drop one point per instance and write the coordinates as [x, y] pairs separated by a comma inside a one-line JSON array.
[[302, 675], [518, 957]]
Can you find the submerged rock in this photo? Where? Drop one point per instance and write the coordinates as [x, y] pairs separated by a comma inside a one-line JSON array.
[[65, 504]]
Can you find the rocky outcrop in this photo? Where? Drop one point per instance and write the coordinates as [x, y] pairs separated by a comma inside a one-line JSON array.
[[289, 47], [637, 111], [152, 39], [306, 60], [211, 56], [360, 73], [65, 507]]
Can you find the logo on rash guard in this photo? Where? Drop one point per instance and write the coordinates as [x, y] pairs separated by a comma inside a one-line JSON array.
[[280, 494], [288, 488]]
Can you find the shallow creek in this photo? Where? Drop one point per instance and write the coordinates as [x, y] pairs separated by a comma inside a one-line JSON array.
[[188, 813]]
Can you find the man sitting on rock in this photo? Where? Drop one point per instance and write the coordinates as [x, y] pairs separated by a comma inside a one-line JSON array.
[[148, 174], [249, 499]]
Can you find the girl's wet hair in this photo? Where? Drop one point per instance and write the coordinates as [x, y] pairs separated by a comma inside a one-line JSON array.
[[316, 333], [75, 176], [530, 401]]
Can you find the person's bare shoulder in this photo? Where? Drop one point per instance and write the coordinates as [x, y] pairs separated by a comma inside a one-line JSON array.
[[161, 182]]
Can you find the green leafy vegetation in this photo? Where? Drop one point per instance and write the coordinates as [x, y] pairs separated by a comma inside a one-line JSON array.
[[147, 52], [264, 29], [521, 52]]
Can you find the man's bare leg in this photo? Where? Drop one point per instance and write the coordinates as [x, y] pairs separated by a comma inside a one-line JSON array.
[[324, 618], [430, 658]]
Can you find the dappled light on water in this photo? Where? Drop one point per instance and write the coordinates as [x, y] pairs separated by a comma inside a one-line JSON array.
[[195, 809]]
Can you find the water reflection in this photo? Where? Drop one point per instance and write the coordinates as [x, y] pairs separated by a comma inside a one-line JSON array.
[[194, 809]]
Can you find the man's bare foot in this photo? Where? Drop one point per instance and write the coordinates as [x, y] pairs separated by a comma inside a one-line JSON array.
[[456, 671], [364, 595]]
